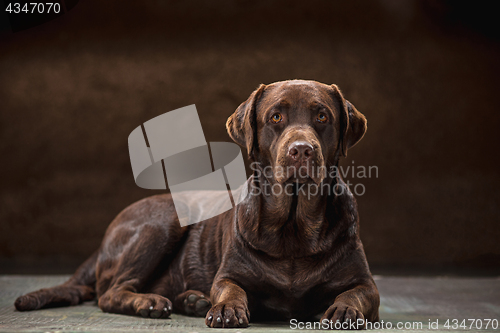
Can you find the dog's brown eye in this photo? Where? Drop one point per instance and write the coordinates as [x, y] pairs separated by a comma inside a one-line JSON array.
[[322, 118], [276, 118]]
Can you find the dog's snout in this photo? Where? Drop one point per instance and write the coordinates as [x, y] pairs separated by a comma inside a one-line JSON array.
[[301, 151]]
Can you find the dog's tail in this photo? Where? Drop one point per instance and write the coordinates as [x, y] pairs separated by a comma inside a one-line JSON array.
[[80, 287]]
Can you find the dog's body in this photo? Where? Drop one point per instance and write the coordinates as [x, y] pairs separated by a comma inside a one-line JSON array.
[[275, 256]]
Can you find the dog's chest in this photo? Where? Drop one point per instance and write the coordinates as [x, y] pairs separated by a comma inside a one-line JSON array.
[[285, 285], [289, 276]]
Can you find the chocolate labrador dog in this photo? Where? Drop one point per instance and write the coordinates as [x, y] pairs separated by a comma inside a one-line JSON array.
[[291, 249]]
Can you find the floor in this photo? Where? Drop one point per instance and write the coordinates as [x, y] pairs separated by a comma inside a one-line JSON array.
[[411, 301]]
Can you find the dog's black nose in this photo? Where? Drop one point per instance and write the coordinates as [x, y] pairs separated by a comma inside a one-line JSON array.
[[301, 151]]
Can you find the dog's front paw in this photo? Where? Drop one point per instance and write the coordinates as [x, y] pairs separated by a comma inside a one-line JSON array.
[[348, 317], [228, 315], [153, 306]]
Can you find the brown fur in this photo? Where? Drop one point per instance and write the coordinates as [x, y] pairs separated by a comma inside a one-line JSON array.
[[273, 256]]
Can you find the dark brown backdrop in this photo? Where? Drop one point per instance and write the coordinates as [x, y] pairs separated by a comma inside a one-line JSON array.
[[426, 75]]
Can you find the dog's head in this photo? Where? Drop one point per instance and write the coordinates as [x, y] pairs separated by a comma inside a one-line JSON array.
[[298, 128]]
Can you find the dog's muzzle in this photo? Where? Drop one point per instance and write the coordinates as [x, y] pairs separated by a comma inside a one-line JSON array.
[[299, 158]]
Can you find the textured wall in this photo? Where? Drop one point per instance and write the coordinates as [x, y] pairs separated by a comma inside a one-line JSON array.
[[425, 75]]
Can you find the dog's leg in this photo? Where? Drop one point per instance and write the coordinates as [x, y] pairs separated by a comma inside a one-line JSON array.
[[360, 303], [124, 294], [79, 288], [192, 303], [231, 305], [129, 263]]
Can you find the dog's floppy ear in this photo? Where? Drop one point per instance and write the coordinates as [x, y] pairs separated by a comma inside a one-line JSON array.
[[352, 123], [242, 125]]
